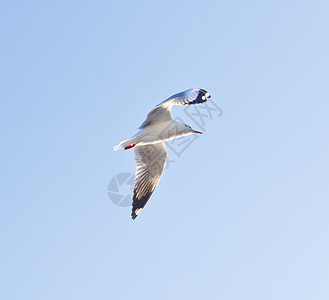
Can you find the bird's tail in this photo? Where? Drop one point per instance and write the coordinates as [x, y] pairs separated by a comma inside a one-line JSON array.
[[126, 144]]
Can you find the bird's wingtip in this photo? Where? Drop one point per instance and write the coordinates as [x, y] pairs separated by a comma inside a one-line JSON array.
[[135, 213]]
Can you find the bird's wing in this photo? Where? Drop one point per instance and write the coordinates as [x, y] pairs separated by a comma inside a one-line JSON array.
[[162, 112], [188, 97], [150, 162]]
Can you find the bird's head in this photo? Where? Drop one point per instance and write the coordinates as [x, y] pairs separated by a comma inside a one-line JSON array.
[[188, 130]]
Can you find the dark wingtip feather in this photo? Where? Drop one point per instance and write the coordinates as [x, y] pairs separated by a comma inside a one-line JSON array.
[[201, 97], [139, 204]]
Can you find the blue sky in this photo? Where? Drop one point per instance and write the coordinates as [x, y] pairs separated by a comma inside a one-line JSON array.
[[241, 214]]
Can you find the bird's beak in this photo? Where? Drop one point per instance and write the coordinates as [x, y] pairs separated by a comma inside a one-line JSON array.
[[197, 132]]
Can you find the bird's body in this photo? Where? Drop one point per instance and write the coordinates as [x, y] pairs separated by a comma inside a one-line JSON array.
[[150, 150], [155, 133]]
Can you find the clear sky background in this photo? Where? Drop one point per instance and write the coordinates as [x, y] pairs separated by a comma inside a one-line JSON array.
[[241, 214]]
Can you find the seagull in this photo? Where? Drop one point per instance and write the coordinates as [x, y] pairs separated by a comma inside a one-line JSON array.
[[149, 146]]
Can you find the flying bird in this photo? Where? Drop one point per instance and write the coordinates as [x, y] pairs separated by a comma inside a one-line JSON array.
[[149, 146]]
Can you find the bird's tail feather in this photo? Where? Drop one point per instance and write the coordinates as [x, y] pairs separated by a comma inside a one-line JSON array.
[[125, 143]]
